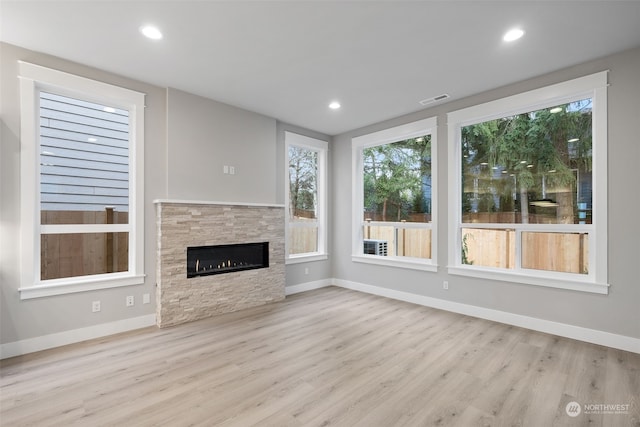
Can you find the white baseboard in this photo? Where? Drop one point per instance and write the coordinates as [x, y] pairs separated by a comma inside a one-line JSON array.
[[308, 286], [593, 336], [45, 342]]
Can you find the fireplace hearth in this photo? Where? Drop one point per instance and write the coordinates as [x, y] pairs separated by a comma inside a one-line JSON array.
[[221, 259]]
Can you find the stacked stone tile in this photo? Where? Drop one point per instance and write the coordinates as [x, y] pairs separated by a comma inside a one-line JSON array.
[[179, 225]]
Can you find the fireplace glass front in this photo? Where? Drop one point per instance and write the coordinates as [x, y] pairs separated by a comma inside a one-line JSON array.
[[220, 259]]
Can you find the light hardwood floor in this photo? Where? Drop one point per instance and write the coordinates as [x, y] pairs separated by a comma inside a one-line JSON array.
[[330, 357]]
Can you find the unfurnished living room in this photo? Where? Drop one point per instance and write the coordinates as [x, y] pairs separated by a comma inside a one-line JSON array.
[[319, 213]]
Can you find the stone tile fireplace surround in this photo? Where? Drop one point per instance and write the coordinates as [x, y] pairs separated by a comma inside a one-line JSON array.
[[181, 224]]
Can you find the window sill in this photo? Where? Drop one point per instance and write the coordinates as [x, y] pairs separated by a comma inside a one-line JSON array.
[[297, 259], [83, 284], [395, 262], [559, 283]]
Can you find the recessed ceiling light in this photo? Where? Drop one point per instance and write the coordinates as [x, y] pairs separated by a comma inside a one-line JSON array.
[[334, 105], [574, 140], [555, 110], [151, 32], [513, 35], [109, 109], [92, 139]]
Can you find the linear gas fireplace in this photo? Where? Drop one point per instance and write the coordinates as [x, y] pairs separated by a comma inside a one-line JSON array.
[[220, 259]]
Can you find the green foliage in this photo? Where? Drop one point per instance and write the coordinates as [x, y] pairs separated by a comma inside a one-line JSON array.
[[524, 154], [395, 176]]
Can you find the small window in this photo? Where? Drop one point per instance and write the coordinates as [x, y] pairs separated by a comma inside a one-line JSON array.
[[394, 196], [306, 195], [526, 203], [83, 228]]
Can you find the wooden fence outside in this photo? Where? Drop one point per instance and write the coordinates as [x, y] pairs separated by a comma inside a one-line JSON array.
[[303, 240], [411, 242], [562, 252], [80, 254]]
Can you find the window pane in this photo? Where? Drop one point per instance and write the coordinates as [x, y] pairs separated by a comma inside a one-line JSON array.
[[303, 184], [414, 242], [84, 162], [529, 168], [303, 240], [489, 247], [563, 252], [397, 181], [303, 200], [82, 254]]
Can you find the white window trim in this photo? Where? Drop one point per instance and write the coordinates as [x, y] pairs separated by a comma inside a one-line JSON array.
[[322, 148], [592, 86], [33, 79], [386, 136]]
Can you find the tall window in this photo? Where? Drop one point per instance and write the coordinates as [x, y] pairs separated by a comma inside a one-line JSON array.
[[81, 185], [394, 185], [306, 193], [526, 201]]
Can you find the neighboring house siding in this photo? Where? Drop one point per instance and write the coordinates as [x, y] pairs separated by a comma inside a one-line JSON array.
[[84, 155]]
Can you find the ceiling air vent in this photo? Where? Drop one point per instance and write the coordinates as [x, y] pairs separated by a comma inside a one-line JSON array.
[[434, 99]]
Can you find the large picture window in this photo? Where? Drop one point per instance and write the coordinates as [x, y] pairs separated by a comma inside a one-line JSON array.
[[306, 194], [394, 185], [528, 172], [81, 183]]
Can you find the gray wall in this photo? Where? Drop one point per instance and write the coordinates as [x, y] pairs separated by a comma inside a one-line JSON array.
[[25, 319], [618, 312], [203, 136]]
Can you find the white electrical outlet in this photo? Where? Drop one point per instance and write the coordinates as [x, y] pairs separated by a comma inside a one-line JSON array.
[[232, 170], [146, 298], [225, 169], [445, 285], [95, 306], [130, 301]]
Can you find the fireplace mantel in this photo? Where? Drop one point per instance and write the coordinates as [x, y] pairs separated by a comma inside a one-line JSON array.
[[184, 223], [205, 202]]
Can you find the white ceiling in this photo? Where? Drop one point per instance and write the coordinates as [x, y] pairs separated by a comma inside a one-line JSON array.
[[289, 59]]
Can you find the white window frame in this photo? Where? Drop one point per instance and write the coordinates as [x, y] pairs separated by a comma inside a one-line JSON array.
[[33, 79], [593, 86], [322, 148], [358, 144]]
